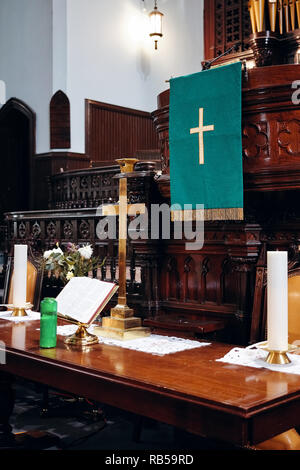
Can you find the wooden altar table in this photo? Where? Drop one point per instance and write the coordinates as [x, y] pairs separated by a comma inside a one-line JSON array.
[[190, 390]]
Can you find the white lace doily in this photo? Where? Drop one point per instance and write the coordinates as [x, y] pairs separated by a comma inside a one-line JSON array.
[[255, 357], [30, 316], [153, 344]]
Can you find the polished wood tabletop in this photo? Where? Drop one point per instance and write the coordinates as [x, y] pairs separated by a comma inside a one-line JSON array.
[[188, 389]]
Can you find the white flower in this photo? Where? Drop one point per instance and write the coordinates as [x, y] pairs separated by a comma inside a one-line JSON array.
[[47, 254], [69, 275], [57, 250], [86, 251]]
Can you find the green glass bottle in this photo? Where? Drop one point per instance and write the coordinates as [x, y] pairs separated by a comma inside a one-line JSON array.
[[48, 323]]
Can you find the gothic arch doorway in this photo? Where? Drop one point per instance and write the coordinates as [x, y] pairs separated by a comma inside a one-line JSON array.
[[17, 148]]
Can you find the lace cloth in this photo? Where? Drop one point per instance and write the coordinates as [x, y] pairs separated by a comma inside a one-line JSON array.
[[153, 344], [30, 316], [252, 356]]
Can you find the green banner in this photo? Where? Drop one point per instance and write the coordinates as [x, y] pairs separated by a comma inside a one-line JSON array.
[[206, 142]]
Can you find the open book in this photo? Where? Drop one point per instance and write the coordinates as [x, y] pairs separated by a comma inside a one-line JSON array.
[[83, 298]]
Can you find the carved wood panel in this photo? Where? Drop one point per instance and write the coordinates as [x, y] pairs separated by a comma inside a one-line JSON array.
[[256, 140], [226, 23], [272, 141], [289, 137], [198, 279]]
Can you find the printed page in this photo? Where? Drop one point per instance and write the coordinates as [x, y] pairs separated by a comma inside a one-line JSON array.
[[82, 296]]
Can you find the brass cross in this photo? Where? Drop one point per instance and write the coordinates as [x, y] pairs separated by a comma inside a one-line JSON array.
[[122, 210], [122, 324], [200, 130]]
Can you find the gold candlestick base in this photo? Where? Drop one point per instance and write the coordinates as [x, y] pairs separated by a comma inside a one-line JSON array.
[[277, 357], [122, 335], [81, 337], [20, 311], [122, 325]]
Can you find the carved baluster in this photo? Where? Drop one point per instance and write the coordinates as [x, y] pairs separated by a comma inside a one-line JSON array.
[[204, 272], [131, 255], [113, 261]]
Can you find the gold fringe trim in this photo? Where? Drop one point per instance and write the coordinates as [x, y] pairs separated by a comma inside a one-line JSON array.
[[235, 213]]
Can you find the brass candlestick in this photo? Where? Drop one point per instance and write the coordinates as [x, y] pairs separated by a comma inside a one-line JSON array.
[[19, 311], [122, 324], [277, 357]]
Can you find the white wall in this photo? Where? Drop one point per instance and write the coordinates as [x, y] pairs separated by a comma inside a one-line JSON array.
[[112, 59], [97, 49], [59, 46], [180, 50], [25, 58]]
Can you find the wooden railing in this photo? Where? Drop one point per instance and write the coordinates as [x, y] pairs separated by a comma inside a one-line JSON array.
[[83, 188], [92, 187]]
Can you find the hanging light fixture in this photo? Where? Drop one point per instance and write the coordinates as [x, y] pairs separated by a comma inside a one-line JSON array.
[[155, 24]]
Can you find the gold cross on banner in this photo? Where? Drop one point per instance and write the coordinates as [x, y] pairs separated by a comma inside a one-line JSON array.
[[200, 130]]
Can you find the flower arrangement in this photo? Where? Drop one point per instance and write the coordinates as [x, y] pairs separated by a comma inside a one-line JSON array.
[[74, 262]]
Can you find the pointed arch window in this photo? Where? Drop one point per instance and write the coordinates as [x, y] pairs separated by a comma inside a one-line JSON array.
[[60, 135]]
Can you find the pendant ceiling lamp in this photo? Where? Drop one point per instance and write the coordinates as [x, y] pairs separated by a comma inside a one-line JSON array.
[[155, 24]]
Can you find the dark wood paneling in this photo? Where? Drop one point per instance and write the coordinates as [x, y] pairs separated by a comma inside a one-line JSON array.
[[226, 23], [114, 131], [209, 29], [48, 164], [227, 26], [270, 129], [60, 121]]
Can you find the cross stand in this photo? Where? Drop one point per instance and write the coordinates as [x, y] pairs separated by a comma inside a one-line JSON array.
[[122, 324]]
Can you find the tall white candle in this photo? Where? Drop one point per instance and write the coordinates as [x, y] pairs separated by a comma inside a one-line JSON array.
[[20, 275], [18, 335], [277, 319]]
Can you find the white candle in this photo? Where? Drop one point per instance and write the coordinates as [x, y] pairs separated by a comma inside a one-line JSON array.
[[20, 275], [277, 323], [18, 336]]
